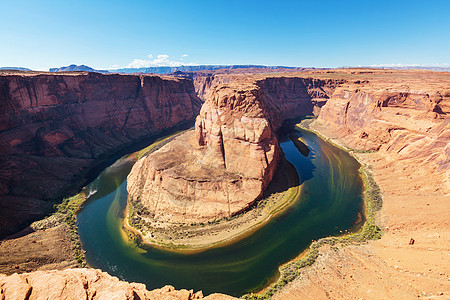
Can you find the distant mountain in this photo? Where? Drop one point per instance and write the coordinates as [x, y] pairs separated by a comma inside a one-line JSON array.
[[15, 68], [429, 68], [72, 68], [166, 70], [437, 69]]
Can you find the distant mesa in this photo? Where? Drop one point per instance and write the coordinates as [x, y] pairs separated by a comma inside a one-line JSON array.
[[15, 68], [429, 68], [167, 70], [178, 71], [72, 68]]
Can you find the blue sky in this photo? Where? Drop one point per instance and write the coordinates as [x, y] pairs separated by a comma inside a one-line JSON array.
[[108, 34]]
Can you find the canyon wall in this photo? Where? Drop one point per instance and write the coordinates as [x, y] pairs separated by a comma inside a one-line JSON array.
[[238, 124], [55, 128], [224, 166], [406, 125], [204, 83]]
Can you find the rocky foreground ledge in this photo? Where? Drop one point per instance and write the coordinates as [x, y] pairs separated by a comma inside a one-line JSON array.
[[87, 284]]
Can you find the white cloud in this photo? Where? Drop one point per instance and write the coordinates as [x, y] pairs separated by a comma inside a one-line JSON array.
[[161, 60]]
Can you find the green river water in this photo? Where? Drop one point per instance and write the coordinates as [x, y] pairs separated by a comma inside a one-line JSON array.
[[329, 203]]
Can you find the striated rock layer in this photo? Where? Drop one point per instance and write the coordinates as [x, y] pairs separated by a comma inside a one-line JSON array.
[[205, 81], [406, 122], [224, 166], [87, 284], [56, 128]]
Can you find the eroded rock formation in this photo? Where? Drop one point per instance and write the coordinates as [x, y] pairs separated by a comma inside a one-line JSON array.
[[227, 163], [87, 284], [215, 173], [56, 128], [405, 121]]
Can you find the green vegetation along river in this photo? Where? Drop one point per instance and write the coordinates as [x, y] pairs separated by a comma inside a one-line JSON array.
[[329, 203]]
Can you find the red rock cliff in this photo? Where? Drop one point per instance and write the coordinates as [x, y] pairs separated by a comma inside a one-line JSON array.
[[403, 115], [54, 128]]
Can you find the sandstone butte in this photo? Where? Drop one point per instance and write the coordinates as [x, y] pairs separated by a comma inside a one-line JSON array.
[[224, 166], [399, 122]]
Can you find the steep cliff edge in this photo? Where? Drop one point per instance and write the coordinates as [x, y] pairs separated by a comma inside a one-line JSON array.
[[227, 164], [56, 128], [87, 284], [403, 123]]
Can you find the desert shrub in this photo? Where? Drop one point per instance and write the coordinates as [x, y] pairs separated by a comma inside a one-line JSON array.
[[68, 208]]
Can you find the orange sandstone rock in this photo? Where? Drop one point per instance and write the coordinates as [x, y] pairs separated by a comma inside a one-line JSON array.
[[405, 125], [87, 284]]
